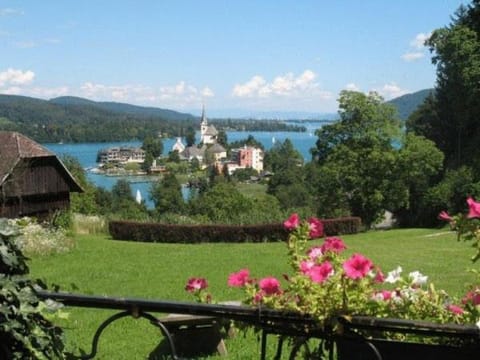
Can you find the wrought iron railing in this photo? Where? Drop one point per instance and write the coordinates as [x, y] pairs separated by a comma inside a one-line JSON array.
[[287, 325]]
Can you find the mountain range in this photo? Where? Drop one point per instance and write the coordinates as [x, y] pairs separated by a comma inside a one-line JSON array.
[[74, 119]]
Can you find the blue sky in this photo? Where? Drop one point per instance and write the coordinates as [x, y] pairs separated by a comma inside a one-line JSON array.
[[234, 56]]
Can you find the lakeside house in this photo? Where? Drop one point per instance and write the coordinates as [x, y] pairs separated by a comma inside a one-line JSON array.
[[33, 180], [121, 155]]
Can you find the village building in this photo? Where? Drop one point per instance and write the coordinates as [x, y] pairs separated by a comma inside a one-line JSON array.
[[121, 155], [178, 146], [248, 157], [33, 180], [208, 133]]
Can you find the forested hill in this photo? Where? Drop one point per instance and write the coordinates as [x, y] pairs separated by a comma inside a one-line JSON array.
[[71, 119], [406, 104], [123, 108]]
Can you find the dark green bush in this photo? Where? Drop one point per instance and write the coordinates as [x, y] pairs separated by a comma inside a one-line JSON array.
[[170, 233]]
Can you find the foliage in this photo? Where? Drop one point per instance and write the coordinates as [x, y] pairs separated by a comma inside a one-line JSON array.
[[152, 146], [244, 174], [366, 166], [190, 136], [194, 234], [41, 240], [167, 195], [249, 141], [467, 225], [222, 203], [25, 332], [326, 285], [84, 202], [450, 118]]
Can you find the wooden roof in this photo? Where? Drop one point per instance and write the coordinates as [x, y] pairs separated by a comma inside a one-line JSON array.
[[14, 147]]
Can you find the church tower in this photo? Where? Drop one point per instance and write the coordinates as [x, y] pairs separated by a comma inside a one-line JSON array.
[[203, 125]]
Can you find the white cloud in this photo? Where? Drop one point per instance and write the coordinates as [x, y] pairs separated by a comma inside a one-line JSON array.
[[352, 87], [417, 48], [178, 95], [391, 91], [419, 41], [16, 77], [250, 88], [287, 85], [412, 56]]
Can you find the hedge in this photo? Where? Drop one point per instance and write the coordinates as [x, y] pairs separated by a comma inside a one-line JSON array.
[[168, 233]]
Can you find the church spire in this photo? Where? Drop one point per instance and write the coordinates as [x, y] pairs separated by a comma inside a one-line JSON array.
[[204, 118]]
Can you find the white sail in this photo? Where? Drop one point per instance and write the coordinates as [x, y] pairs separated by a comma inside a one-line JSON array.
[[138, 198]]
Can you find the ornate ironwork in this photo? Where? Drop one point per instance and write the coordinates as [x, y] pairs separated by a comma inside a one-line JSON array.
[[301, 328]]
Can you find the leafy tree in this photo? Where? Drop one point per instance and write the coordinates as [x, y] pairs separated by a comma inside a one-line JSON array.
[[244, 174], [167, 195], [147, 163], [281, 156], [222, 203], [153, 146], [222, 138], [174, 156], [358, 152], [122, 191], [83, 203], [249, 141], [190, 136]]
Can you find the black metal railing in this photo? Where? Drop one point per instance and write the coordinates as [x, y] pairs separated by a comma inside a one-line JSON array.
[[292, 325]]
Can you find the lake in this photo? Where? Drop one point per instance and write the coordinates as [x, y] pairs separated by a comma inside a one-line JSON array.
[[86, 153]]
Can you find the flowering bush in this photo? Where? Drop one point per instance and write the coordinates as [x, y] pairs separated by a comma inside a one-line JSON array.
[[36, 239], [327, 285], [467, 226]]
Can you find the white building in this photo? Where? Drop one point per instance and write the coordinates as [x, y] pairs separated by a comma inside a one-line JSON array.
[[208, 133], [178, 146]]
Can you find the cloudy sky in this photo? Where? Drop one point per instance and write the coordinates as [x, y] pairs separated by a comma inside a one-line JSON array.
[[234, 56]]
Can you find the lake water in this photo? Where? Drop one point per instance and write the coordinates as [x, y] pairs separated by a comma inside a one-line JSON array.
[[86, 153]]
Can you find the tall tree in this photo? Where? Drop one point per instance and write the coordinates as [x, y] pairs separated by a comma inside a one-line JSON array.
[[456, 54], [358, 151]]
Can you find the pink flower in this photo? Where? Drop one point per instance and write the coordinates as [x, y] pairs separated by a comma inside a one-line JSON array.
[[387, 295], [333, 244], [320, 273], [379, 277], [444, 216], [357, 266], [270, 285], [457, 310], [474, 208], [316, 228], [239, 279], [196, 284], [472, 297], [258, 297], [306, 266], [292, 222], [315, 252]]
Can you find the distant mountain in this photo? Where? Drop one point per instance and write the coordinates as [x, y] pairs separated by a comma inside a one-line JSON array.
[[71, 119], [407, 104], [123, 108]]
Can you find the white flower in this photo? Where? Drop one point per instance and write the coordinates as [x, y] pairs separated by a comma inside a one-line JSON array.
[[394, 275], [418, 278]]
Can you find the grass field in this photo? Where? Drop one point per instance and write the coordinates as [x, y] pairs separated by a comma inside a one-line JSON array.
[[102, 266]]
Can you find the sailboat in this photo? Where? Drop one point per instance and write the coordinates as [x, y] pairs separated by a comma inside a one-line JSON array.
[[273, 140], [138, 197]]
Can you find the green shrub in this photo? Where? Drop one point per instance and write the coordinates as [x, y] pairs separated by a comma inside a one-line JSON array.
[[25, 332]]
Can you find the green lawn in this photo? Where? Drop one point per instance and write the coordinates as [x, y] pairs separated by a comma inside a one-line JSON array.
[[102, 266]]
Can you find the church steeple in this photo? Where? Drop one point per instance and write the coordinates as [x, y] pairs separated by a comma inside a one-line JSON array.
[[204, 118]]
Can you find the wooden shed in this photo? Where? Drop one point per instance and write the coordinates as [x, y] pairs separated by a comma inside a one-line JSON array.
[[33, 180]]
